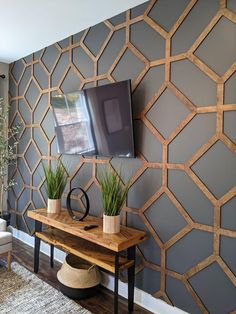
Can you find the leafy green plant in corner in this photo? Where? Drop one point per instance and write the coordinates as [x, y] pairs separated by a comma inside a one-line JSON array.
[[55, 180], [8, 154], [113, 192]]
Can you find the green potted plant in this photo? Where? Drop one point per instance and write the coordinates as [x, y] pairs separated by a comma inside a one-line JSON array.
[[113, 197], [55, 183], [8, 156]]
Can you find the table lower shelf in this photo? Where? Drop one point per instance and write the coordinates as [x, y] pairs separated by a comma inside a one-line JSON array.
[[84, 249]]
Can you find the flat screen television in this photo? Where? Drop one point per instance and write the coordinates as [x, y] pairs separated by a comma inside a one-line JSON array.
[[95, 121]]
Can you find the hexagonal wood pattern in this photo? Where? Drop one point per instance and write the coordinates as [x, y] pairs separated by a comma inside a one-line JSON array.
[[61, 68]]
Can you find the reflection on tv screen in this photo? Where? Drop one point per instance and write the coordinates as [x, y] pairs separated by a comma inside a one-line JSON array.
[[96, 121]]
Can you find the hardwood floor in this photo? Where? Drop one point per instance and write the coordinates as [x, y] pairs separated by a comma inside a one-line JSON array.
[[102, 303]]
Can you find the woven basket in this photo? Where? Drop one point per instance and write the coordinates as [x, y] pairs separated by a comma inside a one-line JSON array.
[[78, 279]]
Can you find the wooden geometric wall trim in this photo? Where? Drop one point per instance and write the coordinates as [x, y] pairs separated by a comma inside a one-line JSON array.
[[32, 85]]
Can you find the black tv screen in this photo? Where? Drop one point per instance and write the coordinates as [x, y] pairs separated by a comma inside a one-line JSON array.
[[95, 121]]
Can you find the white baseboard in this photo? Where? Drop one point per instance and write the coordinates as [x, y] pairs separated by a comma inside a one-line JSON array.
[[141, 298]]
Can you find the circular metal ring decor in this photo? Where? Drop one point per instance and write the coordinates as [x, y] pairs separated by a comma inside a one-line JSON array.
[[68, 205]]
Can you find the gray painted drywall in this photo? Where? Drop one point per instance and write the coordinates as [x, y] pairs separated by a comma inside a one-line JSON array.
[[4, 83]]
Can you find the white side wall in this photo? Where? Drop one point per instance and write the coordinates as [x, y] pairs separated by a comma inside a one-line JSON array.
[[4, 88]]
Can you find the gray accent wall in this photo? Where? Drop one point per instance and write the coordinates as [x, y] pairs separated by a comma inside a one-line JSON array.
[[189, 257]]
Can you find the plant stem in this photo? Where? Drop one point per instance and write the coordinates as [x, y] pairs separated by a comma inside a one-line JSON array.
[[1, 200]]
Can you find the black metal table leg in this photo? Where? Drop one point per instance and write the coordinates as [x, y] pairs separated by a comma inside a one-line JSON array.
[[131, 278], [116, 283], [38, 228], [52, 255]]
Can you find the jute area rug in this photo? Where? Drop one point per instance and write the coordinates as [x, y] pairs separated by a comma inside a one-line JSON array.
[[22, 292]]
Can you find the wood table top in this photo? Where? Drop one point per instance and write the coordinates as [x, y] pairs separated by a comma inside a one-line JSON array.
[[115, 242]]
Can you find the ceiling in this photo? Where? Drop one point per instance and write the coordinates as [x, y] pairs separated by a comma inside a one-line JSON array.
[[28, 26]]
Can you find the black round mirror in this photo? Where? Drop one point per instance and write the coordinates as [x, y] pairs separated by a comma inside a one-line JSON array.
[[68, 205]]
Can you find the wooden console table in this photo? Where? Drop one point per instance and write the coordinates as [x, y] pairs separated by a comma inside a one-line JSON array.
[[92, 245]]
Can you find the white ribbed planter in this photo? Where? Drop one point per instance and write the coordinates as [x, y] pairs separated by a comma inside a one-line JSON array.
[[54, 206], [111, 224]]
